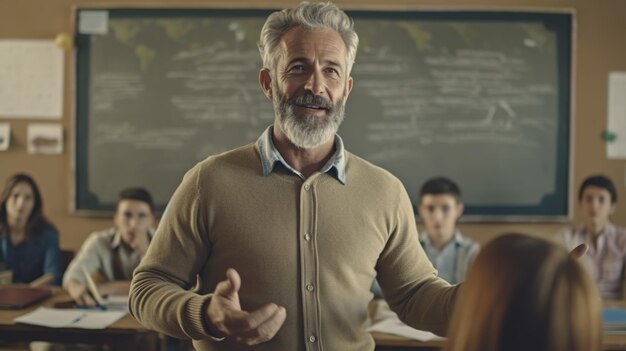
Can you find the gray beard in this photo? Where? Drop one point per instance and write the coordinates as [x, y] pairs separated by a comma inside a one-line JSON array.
[[308, 131]]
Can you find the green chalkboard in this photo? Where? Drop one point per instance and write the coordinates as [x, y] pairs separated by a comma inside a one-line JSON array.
[[481, 97]]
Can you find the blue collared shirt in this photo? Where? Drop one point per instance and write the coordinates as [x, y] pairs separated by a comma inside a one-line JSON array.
[[444, 260], [270, 157]]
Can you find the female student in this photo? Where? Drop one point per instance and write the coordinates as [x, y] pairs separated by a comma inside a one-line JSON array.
[[525, 293], [29, 243]]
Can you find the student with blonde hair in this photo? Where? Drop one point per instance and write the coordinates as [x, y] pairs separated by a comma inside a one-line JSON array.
[[526, 293]]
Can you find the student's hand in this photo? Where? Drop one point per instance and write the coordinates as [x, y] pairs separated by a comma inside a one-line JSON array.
[[226, 319], [80, 294], [579, 251]]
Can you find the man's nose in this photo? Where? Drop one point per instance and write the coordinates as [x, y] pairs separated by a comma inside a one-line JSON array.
[[315, 82], [133, 222], [438, 215]]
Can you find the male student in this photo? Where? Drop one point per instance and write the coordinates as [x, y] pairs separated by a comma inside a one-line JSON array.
[[111, 255], [440, 207], [605, 259], [276, 243]]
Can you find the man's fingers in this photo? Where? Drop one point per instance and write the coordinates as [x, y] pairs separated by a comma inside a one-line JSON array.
[[579, 250], [247, 321], [260, 325], [229, 286], [234, 279], [271, 326], [85, 300]]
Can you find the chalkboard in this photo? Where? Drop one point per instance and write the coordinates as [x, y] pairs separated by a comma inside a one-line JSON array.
[[481, 97]]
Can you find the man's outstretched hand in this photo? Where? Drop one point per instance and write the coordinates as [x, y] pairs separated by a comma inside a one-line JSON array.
[[226, 319]]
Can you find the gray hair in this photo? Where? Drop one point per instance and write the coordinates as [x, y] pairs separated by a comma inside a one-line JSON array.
[[309, 16]]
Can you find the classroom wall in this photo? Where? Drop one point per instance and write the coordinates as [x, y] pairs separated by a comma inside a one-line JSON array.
[[599, 50]]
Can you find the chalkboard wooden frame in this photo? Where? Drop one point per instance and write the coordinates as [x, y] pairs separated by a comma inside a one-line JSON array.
[[556, 207]]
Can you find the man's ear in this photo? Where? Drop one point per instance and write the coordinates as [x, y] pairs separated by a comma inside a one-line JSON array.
[[460, 207], [265, 80], [349, 87], [613, 208]]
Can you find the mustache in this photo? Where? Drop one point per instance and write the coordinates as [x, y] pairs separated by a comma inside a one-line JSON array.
[[309, 98]]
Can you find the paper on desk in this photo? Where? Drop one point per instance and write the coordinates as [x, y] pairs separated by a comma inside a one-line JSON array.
[[395, 327], [70, 318], [116, 302]]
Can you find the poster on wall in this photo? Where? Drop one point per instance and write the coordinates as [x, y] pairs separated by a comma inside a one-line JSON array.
[[45, 139]]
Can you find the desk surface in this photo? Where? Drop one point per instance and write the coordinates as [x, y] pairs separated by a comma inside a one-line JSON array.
[[123, 333], [610, 342]]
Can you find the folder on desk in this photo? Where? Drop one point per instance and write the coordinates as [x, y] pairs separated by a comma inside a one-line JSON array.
[[17, 297]]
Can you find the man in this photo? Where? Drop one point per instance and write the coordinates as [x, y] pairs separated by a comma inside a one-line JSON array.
[[606, 256], [297, 225], [440, 207], [111, 255]]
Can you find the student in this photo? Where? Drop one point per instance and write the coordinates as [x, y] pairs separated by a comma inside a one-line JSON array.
[[276, 243], [450, 252], [111, 255], [29, 243], [606, 257], [524, 293]]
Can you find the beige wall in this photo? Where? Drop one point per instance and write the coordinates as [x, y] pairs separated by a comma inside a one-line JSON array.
[[599, 49]]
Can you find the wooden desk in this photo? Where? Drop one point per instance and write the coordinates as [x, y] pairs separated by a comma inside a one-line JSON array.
[[386, 342], [125, 334]]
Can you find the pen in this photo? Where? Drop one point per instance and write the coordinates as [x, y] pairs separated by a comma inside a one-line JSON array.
[[77, 319], [97, 307]]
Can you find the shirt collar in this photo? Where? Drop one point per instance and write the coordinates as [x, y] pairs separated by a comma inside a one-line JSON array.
[[608, 230], [117, 238], [270, 156], [425, 239]]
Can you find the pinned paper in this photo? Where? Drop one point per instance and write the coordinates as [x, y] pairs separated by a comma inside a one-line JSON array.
[[616, 120], [31, 79], [93, 22], [5, 136], [45, 139]]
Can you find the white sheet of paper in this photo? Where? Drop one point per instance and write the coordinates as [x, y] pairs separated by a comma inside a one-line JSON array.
[[394, 326], [5, 136], [31, 79], [116, 302], [616, 122], [45, 138], [70, 318]]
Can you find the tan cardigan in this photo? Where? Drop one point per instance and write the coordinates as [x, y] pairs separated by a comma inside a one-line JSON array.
[[313, 247]]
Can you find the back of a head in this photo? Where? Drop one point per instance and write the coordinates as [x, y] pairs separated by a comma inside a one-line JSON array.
[[138, 194], [526, 293]]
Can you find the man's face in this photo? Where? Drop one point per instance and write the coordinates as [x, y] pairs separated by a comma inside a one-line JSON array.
[[439, 213], [310, 86], [132, 218], [596, 206]]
